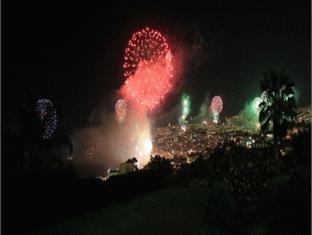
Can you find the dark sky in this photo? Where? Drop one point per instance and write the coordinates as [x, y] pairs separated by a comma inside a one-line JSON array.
[[73, 53]]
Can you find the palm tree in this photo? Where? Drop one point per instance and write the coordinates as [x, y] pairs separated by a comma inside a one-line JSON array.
[[278, 106]]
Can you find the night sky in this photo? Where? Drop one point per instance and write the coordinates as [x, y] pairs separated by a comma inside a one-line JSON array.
[[73, 53]]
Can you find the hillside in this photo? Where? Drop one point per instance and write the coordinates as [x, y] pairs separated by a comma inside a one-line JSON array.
[[170, 211]]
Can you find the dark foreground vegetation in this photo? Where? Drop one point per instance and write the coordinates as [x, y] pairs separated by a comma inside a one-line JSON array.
[[244, 192]]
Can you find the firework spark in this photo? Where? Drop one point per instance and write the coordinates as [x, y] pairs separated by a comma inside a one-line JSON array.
[[185, 110], [47, 115], [216, 107], [186, 105], [121, 110], [148, 69]]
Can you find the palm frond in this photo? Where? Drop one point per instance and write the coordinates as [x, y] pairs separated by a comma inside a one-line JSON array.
[[278, 104]]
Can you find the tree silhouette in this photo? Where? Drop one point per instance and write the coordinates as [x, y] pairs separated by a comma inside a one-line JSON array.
[[278, 106], [159, 165]]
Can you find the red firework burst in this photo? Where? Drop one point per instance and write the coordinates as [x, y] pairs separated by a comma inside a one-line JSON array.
[[147, 68], [216, 104]]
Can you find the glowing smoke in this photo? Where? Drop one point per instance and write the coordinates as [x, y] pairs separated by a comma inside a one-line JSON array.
[[248, 118], [203, 115], [98, 148]]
